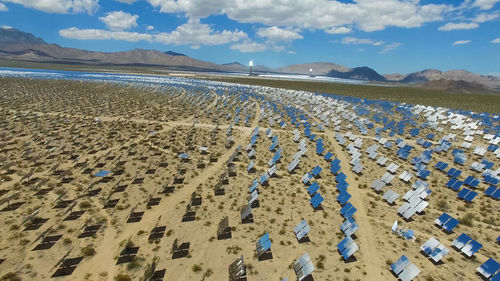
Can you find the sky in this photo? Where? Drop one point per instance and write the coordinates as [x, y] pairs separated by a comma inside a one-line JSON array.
[[390, 36]]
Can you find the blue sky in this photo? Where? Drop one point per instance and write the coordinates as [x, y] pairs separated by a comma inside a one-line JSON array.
[[391, 36]]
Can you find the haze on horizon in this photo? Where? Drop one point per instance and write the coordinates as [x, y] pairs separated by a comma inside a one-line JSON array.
[[391, 36]]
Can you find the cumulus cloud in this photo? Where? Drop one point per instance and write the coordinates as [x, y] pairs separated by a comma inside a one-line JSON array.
[[367, 15], [3, 7], [485, 4], [248, 46], [458, 26], [99, 34], [338, 30], [497, 41], [150, 27], [358, 41], [461, 42], [192, 33], [5, 27], [484, 17], [59, 6], [389, 47], [195, 34], [119, 20], [276, 34]]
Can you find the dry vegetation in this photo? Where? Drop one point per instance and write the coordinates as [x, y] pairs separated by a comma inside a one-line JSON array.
[[57, 134]]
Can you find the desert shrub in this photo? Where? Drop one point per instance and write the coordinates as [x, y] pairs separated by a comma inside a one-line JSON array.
[[122, 277], [11, 276]]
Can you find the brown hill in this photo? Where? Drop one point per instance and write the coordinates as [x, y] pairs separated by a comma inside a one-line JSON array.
[[455, 86]]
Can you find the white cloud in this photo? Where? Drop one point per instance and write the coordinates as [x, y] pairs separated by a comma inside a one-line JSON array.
[[192, 33], [358, 41], [497, 41], [458, 26], [3, 7], [99, 34], [119, 20], [276, 34], [484, 17], [291, 53], [367, 15], [248, 46], [150, 27], [5, 27], [126, 1], [195, 34], [461, 42], [59, 6], [338, 30], [485, 4], [390, 47]]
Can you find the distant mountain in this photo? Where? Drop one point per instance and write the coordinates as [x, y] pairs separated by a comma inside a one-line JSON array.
[[359, 73], [235, 67], [18, 45], [318, 68], [393, 77], [455, 86], [172, 53], [429, 75], [422, 76], [238, 67], [12, 35], [333, 70]]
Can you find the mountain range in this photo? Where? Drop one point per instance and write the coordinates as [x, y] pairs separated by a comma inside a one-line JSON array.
[[18, 45]]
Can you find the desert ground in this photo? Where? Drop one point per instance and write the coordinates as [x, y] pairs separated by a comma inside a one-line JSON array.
[[90, 169]]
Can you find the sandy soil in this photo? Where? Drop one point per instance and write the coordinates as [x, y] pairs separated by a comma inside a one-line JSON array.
[[52, 145]]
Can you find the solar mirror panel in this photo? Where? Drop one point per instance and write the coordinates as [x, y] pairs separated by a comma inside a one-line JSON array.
[[439, 252], [461, 241], [398, 266], [349, 250], [316, 200], [444, 217], [313, 188], [471, 248], [428, 246], [409, 273], [488, 268], [351, 229]]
